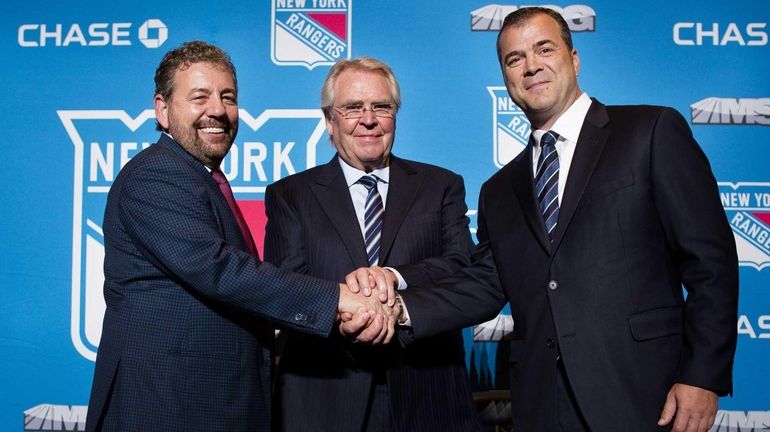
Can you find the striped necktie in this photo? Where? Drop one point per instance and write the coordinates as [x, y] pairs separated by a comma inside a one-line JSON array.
[[547, 181], [374, 212]]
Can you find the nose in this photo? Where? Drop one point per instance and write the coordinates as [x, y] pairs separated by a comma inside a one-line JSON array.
[[368, 118], [216, 106], [532, 65]]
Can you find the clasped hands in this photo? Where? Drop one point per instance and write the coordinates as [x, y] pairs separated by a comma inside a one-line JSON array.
[[367, 310]]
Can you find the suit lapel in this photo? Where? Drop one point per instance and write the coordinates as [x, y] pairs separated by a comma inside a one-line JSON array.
[[223, 211], [591, 142], [403, 186], [523, 185], [331, 190]]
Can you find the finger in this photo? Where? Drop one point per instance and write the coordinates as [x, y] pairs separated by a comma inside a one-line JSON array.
[[381, 280], [352, 282], [391, 330], [345, 316], [383, 333], [669, 408], [370, 333], [681, 419], [357, 323], [362, 275]]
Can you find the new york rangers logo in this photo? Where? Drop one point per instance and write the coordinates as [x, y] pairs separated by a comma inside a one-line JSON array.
[[310, 32], [510, 127], [270, 146], [748, 209]]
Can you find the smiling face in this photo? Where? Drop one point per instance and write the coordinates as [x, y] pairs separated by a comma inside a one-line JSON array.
[[365, 142], [202, 112], [539, 70]]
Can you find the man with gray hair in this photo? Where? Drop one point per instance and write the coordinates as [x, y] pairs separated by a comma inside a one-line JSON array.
[[368, 208]]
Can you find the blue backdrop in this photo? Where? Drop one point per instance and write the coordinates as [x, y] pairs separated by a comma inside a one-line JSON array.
[[79, 87]]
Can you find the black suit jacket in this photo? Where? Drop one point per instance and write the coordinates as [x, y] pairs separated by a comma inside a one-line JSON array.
[[640, 217], [186, 340], [324, 385]]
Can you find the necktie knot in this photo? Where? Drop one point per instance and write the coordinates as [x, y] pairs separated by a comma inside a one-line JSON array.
[[548, 141], [219, 177], [369, 182]]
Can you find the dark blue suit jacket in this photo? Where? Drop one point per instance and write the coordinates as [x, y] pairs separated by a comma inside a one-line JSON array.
[[639, 218], [186, 342], [324, 384]]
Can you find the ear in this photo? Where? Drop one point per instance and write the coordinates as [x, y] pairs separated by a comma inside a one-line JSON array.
[[575, 61], [329, 118], [161, 111]]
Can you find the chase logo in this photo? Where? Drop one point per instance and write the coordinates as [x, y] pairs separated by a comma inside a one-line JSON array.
[[47, 417], [510, 127], [580, 18], [310, 32], [748, 209], [270, 146], [152, 34], [741, 421], [731, 111]]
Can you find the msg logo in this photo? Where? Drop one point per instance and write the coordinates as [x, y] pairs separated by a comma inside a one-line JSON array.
[[47, 417]]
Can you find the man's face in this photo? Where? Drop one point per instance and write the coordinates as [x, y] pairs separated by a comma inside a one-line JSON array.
[[365, 142], [202, 113], [539, 70]]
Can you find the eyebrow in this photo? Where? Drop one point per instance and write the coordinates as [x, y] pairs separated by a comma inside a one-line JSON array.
[[537, 44]]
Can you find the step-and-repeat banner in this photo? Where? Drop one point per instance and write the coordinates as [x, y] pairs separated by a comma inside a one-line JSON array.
[[78, 88]]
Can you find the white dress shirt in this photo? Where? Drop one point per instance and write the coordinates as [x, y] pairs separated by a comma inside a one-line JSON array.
[[358, 193], [568, 127]]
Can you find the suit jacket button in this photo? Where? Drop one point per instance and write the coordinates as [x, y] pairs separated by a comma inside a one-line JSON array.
[[552, 285], [299, 317], [550, 343]]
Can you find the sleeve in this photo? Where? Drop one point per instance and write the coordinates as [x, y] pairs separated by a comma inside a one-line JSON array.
[[703, 249], [470, 296], [455, 240], [169, 216]]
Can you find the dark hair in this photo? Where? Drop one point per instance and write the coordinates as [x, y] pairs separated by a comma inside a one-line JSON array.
[[522, 15], [182, 58]]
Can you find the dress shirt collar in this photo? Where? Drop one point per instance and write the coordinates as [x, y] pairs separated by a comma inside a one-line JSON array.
[[569, 124], [352, 175]]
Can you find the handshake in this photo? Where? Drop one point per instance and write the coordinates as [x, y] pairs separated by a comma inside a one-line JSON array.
[[368, 311]]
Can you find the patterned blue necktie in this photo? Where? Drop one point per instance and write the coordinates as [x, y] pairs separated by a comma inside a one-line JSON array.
[[547, 181], [373, 216]]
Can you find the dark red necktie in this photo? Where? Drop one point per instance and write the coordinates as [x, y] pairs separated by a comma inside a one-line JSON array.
[[224, 186]]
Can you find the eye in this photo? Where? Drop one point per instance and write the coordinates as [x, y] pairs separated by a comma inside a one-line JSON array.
[[352, 107], [382, 106], [513, 61]]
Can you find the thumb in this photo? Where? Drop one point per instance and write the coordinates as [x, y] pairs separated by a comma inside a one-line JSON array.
[[669, 409]]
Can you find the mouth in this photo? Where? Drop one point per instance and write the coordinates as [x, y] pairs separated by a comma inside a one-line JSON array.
[[212, 130], [537, 85]]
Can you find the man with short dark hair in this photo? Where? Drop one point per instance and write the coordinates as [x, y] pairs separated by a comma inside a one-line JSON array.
[[590, 234], [186, 342]]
